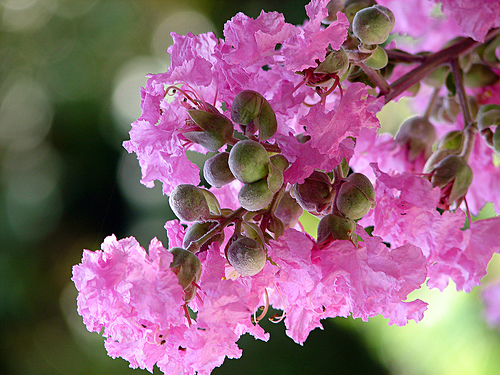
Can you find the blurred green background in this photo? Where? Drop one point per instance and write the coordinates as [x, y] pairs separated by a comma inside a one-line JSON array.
[[70, 75]]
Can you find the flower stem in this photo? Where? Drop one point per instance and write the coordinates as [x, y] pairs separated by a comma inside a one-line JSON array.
[[376, 78], [194, 246]]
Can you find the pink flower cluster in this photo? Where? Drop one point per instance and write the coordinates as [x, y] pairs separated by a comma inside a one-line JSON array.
[[132, 296]]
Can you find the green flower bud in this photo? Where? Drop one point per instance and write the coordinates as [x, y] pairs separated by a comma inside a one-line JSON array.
[[275, 178], [187, 266], [418, 135], [378, 59], [288, 210], [198, 230], [249, 161], [302, 138], [437, 77], [247, 256], [436, 158], [333, 227], [496, 139], [452, 169], [356, 196], [480, 76], [254, 113], [335, 62], [280, 161], [453, 140], [255, 196], [488, 115], [215, 129], [372, 25], [216, 170], [333, 7], [189, 203], [351, 7], [315, 193]]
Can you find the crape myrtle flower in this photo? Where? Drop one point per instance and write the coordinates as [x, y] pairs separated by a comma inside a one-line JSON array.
[[186, 317], [406, 213]]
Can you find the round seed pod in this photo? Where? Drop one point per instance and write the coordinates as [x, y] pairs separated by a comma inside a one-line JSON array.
[[249, 161], [418, 134], [247, 256], [189, 203], [216, 170], [372, 25], [255, 196], [335, 227], [254, 113], [198, 230], [288, 210], [187, 266], [356, 196], [315, 193], [453, 168]]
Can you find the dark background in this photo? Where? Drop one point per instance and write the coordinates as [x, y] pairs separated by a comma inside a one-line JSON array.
[[70, 74]]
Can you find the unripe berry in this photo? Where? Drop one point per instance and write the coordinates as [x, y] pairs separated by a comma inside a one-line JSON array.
[[488, 115], [275, 178], [418, 135], [334, 227], [315, 193], [351, 7], [254, 113], [452, 169], [198, 230], [189, 203], [356, 196], [280, 161], [372, 25], [436, 158], [255, 196], [480, 75], [288, 210], [452, 140], [216, 170], [335, 62], [215, 129], [249, 161], [187, 266], [247, 256]]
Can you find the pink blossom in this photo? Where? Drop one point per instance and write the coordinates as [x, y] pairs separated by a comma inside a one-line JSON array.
[[370, 280], [484, 187], [310, 43], [296, 278], [133, 296], [406, 213], [160, 150], [252, 43], [475, 17]]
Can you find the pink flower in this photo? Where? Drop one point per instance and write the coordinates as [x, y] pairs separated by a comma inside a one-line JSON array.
[[330, 133], [160, 151], [406, 213], [310, 42], [252, 43], [297, 276], [475, 17], [133, 296], [370, 280]]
